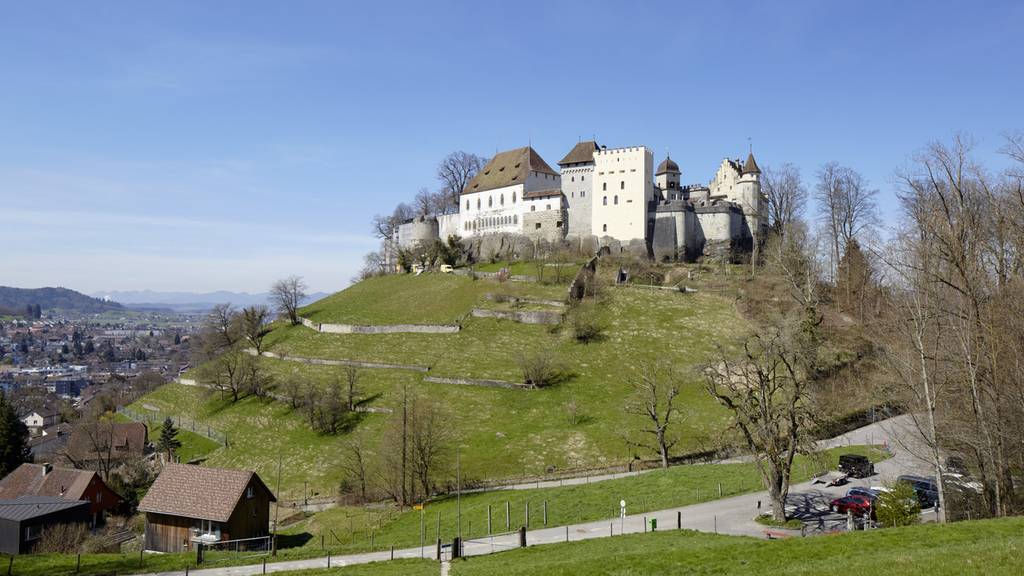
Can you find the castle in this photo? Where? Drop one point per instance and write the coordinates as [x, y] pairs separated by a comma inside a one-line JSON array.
[[610, 196]]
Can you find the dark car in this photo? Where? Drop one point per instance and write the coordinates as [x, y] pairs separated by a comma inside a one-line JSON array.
[[865, 492], [858, 504], [856, 466], [926, 489]]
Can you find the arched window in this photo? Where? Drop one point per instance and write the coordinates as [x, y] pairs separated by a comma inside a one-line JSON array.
[[604, 186], [583, 193], [622, 185], [515, 218], [501, 200], [573, 179], [477, 203], [467, 204], [604, 227], [604, 201], [616, 199], [513, 197], [583, 178], [533, 208], [490, 201]]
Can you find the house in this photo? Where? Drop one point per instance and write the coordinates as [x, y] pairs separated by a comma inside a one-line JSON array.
[[37, 420], [22, 520], [105, 444], [189, 504], [66, 483], [46, 446]]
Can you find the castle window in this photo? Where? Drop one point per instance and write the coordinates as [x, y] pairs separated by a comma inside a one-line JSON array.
[[583, 193], [533, 208], [604, 186], [467, 204], [583, 178], [513, 197], [537, 226], [572, 194], [477, 203], [515, 218], [573, 179], [490, 201], [604, 227], [604, 201], [616, 199], [547, 207], [622, 185], [502, 200], [558, 224]]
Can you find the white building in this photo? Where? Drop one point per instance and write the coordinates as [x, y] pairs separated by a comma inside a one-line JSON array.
[[613, 195]]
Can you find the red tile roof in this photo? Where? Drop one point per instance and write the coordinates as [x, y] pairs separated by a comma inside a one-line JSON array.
[[198, 492]]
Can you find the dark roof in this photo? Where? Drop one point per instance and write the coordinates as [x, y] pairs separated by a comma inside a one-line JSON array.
[[580, 153], [28, 507], [543, 193], [508, 168], [667, 165], [34, 480], [751, 167], [198, 492]]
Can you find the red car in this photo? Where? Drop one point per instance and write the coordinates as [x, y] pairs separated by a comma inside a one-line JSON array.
[[860, 505]]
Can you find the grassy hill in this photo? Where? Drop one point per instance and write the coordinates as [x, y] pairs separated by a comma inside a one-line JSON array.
[[979, 547], [53, 298], [503, 433]]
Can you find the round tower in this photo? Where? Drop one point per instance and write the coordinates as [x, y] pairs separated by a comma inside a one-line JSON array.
[[667, 175]]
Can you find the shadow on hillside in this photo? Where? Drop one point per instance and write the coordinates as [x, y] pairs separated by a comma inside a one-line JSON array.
[[293, 540]]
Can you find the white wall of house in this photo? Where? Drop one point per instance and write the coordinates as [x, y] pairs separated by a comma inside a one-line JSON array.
[[577, 186], [491, 211], [623, 184]]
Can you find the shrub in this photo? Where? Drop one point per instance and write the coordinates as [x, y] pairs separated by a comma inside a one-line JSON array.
[[540, 369], [898, 507], [586, 327], [62, 539]]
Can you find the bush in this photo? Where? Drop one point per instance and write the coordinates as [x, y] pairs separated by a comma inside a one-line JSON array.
[[898, 507], [540, 369], [586, 327], [62, 539]]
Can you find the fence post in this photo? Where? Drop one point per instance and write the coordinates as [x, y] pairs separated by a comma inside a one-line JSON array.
[[392, 551], [264, 565], [719, 489], [488, 519], [522, 537], [140, 558], [527, 514], [679, 520], [545, 512], [439, 548], [567, 533], [328, 559], [508, 517], [645, 524], [10, 566], [78, 563]]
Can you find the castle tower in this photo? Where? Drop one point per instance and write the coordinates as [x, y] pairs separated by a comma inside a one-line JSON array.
[[667, 178], [749, 197], [577, 169]]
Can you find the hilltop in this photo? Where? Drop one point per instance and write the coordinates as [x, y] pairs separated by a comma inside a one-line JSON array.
[[16, 299]]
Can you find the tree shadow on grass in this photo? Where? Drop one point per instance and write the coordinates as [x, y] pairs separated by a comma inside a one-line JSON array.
[[293, 540]]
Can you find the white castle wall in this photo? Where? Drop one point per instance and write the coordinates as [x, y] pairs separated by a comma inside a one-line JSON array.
[[623, 183]]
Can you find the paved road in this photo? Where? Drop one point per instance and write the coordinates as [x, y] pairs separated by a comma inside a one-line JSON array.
[[734, 515]]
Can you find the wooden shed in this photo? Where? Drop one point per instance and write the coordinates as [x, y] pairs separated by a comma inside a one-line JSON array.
[[190, 503]]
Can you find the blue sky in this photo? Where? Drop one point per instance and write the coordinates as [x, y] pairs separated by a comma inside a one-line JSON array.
[[221, 145]]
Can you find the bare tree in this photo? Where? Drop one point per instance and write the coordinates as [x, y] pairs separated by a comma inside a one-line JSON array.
[[765, 392], [455, 171], [356, 465], [787, 196], [425, 202], [287, 295], [654, 395], [352, 386], [92, 447], [429, 435], [221, 327], [253, 323], [227, 372], [846, 206]]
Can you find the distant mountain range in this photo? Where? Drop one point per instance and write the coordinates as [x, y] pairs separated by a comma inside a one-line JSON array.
[[14, 300], [189, 301]]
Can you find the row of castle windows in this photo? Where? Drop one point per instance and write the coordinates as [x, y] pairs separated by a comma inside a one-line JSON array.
[[492, 222], [622, 185], [490, 201], [582, 179], [604, 201]]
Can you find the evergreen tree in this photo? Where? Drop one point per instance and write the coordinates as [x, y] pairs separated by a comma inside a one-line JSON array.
[[13, 438], [168, 438]]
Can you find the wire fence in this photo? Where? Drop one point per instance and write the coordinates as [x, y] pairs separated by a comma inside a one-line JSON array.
[[234, 551], [153, 418]]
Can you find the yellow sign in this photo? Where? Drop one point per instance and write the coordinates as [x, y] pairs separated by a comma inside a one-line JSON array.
[[417, 506]]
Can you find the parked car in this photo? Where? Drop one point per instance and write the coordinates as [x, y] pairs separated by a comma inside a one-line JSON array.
[[925, 488], [856, 466], [861, 491], [447, 268], [858, 504]]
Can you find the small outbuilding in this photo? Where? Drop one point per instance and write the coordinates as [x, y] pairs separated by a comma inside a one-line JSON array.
[[189, 504], [66, 483], [23, 520]]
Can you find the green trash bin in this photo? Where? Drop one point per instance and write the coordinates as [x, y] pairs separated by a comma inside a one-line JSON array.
[[654, 524]]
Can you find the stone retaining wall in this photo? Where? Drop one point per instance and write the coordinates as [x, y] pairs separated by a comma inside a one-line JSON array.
[[477, 382], [381, 329], [521, 316], [326, 362], [520, 300]]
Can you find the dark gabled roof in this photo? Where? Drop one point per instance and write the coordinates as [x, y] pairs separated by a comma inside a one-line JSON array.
[[28, 507], [543, 193], [34, 480], [199, 492], [507, 169], [750, 167], [128, 438], [667, 165], [580, 153]]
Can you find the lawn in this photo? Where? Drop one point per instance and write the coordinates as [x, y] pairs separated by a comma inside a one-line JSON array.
[[409, 299], [348, 529], [979, 547]]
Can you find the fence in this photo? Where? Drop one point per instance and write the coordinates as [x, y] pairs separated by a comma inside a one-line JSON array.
[[232, 551], [154, 419]]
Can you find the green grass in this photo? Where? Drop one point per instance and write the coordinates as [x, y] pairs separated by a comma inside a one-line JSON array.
[[194, 446], [980, 547], [409, 299], [768, 520], [348, 529]]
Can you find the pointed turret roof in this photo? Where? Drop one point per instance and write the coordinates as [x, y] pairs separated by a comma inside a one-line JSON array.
[[750, 166], [508, 168]]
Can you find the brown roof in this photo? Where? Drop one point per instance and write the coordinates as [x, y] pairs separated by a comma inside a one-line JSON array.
[[508, 168], [667, 165], [580, 153], [34, 480], [126, 438], [543, 193], [199, 492], [751, 167]]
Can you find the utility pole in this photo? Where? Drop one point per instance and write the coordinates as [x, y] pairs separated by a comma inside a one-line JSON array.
[[405, 436], [277, 507], [458, 491]]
